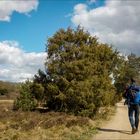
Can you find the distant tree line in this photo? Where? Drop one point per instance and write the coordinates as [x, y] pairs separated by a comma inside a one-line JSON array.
[[3, 91], [7, 87], [82, 75]]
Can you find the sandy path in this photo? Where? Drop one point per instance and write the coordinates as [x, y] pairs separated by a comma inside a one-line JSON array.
[[6, 101], [118, 128]]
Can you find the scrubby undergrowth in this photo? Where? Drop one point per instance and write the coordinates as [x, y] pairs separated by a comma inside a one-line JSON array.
[[16, 125]]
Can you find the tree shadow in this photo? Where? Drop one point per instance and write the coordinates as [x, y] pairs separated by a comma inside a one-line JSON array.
[[114, 130]]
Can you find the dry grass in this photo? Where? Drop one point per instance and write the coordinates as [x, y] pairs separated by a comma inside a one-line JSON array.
[[16, 125]]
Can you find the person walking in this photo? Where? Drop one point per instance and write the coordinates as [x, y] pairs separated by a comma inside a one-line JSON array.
[[132, 96]]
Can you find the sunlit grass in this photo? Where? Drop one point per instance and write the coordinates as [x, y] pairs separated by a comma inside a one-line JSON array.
[[16, 125]]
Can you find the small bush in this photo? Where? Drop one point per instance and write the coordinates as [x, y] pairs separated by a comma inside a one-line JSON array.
[[25, 101], [3, 91]]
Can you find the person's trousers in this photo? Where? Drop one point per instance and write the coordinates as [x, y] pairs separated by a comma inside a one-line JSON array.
[[133, 112]]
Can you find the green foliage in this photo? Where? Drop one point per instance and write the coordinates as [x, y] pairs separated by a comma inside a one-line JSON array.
[[79, 68], [3, 91], [128, 68], [25, 101], [40, 77], [37, 91]]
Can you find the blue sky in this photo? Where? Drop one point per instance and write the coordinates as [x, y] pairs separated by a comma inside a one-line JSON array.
[[33, 30], [25, 26]]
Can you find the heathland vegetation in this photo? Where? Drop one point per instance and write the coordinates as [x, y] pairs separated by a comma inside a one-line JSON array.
[[83, 80], [8, 90]]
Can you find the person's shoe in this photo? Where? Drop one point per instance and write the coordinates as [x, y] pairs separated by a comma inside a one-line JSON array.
[[134, 130], [137, 130]]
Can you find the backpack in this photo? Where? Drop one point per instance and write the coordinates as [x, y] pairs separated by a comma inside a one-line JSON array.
[[132, 95], [137, 98]]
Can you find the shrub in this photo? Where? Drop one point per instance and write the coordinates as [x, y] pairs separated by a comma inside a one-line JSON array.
[[25, 101]]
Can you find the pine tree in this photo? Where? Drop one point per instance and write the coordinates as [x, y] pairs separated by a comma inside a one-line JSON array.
[[26, 101], [79, 68]]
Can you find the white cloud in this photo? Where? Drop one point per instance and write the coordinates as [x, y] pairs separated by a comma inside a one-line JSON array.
[[17, 65], [7, 7], [117, 23]]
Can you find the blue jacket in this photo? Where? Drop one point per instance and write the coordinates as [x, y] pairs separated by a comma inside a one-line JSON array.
[[133, 94]]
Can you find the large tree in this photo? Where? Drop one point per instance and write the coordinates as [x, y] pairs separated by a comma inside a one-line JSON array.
[[81, 75], [80, 70]]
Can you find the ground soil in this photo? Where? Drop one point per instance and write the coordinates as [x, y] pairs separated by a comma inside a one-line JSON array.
[[118, 128]]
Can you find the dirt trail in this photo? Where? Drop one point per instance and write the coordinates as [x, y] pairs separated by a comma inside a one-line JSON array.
[[118, 128], [6, 101]]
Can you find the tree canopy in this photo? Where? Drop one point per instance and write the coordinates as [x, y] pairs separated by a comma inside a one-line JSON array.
[[80, 68]]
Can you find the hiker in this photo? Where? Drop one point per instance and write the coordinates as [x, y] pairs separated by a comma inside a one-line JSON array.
[[132, 96]]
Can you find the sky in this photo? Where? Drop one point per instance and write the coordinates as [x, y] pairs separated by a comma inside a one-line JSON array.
[[25, 26]]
